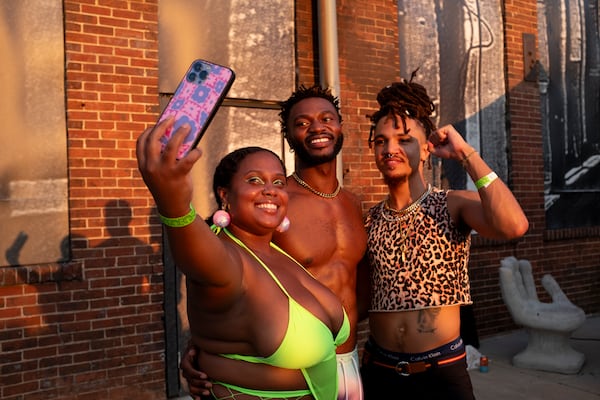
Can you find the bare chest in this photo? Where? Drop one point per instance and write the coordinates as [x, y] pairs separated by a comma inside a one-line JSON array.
[[325, 233]]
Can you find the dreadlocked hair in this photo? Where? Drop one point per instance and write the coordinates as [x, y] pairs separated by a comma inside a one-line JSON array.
[[404, 99], [302, 93]]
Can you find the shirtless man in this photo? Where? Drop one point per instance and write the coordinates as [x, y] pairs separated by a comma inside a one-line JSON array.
[[326, 233]]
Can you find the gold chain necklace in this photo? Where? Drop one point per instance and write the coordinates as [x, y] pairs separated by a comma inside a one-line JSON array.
[[402, 216], [318, 193], [405, 212]]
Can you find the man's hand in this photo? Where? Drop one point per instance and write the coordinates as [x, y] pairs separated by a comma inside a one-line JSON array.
[[447, 143], [198, 383]]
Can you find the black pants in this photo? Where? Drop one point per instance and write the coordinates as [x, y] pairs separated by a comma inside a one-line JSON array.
[[448, 382]]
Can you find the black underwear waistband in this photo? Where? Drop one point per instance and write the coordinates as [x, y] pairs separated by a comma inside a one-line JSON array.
[[407, 364], [450, 349]]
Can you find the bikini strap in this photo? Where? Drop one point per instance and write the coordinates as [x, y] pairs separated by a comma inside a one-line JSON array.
[[243, 246]]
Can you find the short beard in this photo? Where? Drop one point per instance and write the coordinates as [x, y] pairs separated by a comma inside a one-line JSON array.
[[311, 160], [394, 180]]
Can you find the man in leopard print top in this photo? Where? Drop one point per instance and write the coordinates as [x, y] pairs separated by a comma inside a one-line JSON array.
[[418, 250]]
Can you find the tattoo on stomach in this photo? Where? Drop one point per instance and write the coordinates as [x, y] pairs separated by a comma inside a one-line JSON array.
[[426, 320]]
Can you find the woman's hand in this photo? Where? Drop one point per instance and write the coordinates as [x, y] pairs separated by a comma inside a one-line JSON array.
[[168, 179]]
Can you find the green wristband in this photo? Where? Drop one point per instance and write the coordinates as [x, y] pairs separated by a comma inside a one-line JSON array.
[[179, 222], [486, 181]]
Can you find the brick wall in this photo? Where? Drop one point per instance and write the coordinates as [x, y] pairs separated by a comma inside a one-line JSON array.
[[117, 307], [571, 255], [93, 327]]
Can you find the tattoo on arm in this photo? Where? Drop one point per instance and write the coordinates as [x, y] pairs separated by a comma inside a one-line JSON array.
[[426, 320]]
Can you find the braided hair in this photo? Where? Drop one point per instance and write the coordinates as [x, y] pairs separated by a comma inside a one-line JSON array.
[[404, 99], [303, 93]]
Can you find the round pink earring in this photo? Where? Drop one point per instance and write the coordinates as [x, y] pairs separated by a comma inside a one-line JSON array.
[[284, 225], [221, 218]]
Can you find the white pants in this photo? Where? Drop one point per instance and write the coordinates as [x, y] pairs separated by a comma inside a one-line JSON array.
[[349, 383]]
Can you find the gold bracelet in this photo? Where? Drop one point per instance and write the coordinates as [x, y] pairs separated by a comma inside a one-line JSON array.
[[486, 181], [179, 222], [466, 158]]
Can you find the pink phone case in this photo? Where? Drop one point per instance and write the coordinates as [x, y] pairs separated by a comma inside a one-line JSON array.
[[196, 100]]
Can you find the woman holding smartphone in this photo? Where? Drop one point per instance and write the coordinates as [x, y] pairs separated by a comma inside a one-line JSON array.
[[258, 307]]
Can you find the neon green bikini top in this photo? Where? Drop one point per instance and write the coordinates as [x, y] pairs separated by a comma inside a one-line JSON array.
[[308, 344]]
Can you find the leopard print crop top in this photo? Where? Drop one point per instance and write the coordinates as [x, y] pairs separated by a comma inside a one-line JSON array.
[[418, 260]]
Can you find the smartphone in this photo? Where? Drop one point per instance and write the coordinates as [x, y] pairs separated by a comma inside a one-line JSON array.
[[196, 100]]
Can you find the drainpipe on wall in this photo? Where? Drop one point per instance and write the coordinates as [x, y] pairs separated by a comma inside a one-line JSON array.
[[328, 57]]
